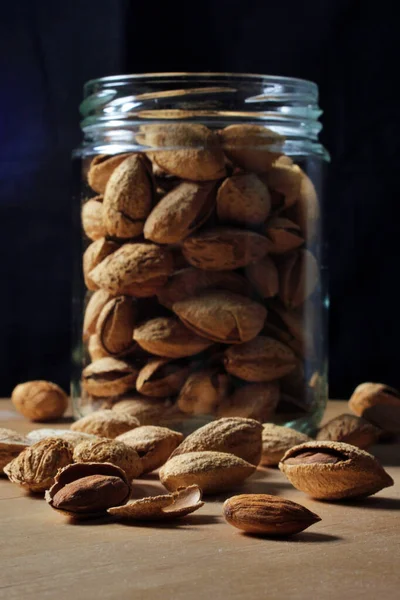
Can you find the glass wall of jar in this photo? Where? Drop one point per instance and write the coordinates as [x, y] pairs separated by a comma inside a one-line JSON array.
[[200, 283]]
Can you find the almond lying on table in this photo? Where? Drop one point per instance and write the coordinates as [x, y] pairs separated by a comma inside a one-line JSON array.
[[105, 423], [277, 440], [379, 404], [351, 430], [153, 444], [110, 451]]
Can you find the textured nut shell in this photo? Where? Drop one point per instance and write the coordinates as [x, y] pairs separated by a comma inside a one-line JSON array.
[[146, 289], [39, 400], [264, 277], [277, 440], [168, 337], [252, 401], [199, 157], [101, 168], [105, 423], [94, 307], [157, 508], [202, 391], [76, 471], [92, 218], [286, 180], [211, 471], [11, 445], [261, 359], [247, 146], [351, 430], [377, 403], [153, 444], [36, 466], [267, 515], [108, 377], [180, 212], [161, 378], [284, 235], [306, 210], [128, 198], [298, 278], [110, 451], [222, 316], [360, 474], [191, 281], [115, 325], [148, 411], [93, 256], [241, 437], [96, 349], [243, 199], [224, 248], [132, 264]]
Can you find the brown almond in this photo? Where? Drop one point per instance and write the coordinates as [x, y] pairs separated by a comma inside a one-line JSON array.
[[286, 180], [263, 514], [379, 404], [93, 256], [251, 147], [277, 440], [108, 377], [190, 282], [87, 490], [40, 400], [261, 359], [351, 430], [224, 248], [180, 212], [36, 466], [160, 377], [212, 471], [132, 264], [157, 508], [243, 199], [109, 451], [284, 235], [264, 277], [203, 391], [153, 444], [101, 169], [222, 316], [298, 278], [168, 337], [333, 470], [95, 305], [252, 401], [105, 423], [234, 435], [92, 218], [306, 211], [193, 152], [128, 198], [96, 349], [115, 325]]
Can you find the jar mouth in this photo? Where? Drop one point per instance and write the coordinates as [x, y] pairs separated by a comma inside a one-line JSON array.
[[117, 105]]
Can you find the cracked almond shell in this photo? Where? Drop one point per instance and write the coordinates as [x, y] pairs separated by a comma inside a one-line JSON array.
[[284, 235], [160, 377], [95, 305], [234, 435], [105, 423], [168, 337], [132, 264], [180, 212], [194, 152], [377, 403], [161, 508], [261, 359], [153, 444], [202, 391], [286, 180], [351, 430], [212, 471], [101, 168], [333, 471], [224, 248], [108, 377], [222, 316], [128, 198], [115, 325]]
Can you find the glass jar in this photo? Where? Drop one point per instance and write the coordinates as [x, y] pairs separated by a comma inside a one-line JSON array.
[[202, 293]]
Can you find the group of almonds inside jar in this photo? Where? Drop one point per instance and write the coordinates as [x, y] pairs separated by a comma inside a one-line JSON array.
[[94, 468], [197, 275]]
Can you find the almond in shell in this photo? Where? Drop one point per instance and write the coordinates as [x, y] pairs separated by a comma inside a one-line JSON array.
[[101, 168], [203, 391], [109, 451], [277, 440], [168, 337], [243, 199], [252, 401], [379, 404], [264, 277], [115, 325], [251, 147], [92, 218], [160, 377], [108, 377], [93, 256], [153, 444], [105, 423]]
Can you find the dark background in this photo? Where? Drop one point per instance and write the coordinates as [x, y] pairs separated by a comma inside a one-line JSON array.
[[50, 48]]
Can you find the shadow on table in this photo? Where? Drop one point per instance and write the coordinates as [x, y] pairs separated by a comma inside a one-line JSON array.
[[387, 454], [305, 537], [375, 502], [189, 522]]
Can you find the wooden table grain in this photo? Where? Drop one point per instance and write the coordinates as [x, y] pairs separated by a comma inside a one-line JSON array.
[[354, 552]]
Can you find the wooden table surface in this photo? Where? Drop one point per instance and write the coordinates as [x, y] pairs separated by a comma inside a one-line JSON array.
[[354, 552]]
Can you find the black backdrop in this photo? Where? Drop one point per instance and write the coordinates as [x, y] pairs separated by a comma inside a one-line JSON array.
[[50, 48]]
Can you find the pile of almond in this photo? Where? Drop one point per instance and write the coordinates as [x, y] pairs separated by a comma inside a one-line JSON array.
[[90, 469], [201, 257]]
